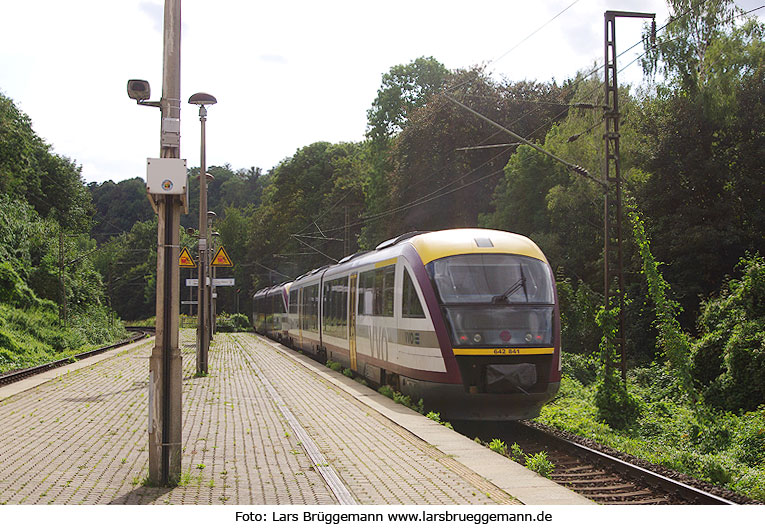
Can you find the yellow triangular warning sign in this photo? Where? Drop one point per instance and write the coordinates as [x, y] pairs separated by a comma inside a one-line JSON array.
[[221, 259], [185, 260]]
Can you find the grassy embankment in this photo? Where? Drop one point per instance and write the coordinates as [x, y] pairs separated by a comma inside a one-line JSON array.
[[31, 332], [723, 448]]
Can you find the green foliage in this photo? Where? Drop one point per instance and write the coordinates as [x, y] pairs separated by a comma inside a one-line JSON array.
[[720, 447], [673, 342], [404, 88], [347, 372], [517, 454], [616, 405], [386, 391], [402, 399], [498, 446], [578, 308], [233, 323], [749, 438], [405, 400], [334, 365], [540, 463], [14, 291], [118, 207], [583, 368], [435, 416], [729, 358]]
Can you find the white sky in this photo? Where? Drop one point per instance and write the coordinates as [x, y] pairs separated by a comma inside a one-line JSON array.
[[286, 74]]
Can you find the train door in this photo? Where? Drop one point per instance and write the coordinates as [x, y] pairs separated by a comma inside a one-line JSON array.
[[352, 321]]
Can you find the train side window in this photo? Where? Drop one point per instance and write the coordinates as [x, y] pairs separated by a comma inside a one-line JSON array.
[[384, 289], [336, 307], [411, 307], [310, 313], [366, 292]]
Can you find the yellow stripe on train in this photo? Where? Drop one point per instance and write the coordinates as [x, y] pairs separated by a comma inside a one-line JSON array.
[[503, 351]]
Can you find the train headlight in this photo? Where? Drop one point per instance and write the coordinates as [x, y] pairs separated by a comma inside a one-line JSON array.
[[529, 337], [477, 337]]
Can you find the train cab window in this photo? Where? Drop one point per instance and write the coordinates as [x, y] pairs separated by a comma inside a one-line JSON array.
[[495, 299], [411, 307]]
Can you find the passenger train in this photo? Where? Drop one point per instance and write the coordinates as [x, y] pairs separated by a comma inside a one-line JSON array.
[[466, 319]]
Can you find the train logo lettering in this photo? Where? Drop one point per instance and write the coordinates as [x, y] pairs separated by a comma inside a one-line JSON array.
[[378, 342]]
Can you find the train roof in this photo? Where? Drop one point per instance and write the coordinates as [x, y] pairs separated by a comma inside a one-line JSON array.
[[434, 245], [431, 246]]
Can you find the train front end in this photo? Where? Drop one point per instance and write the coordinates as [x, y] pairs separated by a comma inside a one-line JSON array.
[[497, 304]]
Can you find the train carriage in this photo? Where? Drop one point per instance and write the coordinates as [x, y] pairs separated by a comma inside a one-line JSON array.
[[466, 319]]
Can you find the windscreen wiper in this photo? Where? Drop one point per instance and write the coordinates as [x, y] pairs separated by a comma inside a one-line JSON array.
[[504, 297]]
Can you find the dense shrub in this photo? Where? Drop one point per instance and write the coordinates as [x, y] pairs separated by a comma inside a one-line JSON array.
[[578, 307], [616, 405], [749, 440], [729, 358], [583, 368], [233, 323]]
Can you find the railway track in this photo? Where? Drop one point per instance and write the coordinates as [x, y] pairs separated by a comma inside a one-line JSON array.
[[23, 373], [601, 477]]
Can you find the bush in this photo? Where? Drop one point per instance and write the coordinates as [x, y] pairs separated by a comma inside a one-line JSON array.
[[540, 463], [749, 440], [583, 368], [386, 391], [334, 365], [729, 359], [498, 446], [232, 323], [578, 308], [516, 453]]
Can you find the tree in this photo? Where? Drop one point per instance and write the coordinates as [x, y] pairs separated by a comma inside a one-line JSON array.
[[404, 88], [118, 207], [445, 160]]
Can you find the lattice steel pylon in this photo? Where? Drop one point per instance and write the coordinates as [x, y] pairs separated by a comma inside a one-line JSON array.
[[613, 262]]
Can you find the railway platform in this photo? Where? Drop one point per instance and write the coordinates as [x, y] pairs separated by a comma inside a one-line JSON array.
[[268, 426]]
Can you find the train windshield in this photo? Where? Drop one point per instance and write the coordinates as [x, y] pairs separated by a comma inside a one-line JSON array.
[[495, 299], [492, 278]]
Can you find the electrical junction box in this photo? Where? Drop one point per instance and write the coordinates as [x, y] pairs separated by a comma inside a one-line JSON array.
[[167, 176]]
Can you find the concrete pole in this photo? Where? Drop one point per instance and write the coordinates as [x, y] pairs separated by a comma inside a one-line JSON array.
[[165, 370]]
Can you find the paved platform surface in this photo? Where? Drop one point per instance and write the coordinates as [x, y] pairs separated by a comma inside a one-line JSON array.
[[268, 426]]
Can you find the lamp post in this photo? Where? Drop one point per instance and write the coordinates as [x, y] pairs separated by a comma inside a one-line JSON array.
[[203, 336]]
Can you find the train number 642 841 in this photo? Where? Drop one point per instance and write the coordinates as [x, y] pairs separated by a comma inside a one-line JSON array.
[[506, 351]]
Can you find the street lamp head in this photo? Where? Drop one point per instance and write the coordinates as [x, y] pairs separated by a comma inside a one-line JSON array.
[[201, 98], [210, 213]]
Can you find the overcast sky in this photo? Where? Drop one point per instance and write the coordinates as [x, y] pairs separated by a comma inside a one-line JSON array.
[[286, 74]]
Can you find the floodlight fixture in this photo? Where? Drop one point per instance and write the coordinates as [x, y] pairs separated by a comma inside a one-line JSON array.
[[140, 91]]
